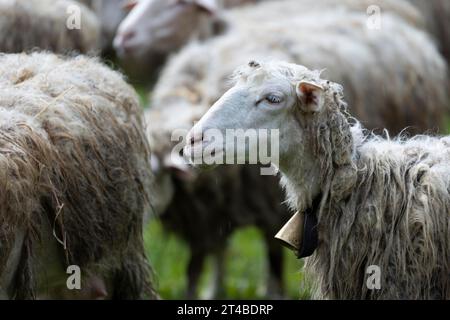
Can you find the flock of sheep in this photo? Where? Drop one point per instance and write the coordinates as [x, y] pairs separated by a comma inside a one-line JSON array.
[[83, 167]]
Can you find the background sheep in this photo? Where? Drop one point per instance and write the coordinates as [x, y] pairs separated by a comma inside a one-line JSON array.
[[165, 26], [154, 29], [205, 209], [378, 202], [361, 59], [25, 25], [74, 178]]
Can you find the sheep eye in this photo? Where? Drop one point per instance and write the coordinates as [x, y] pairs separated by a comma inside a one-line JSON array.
[[273, 99]]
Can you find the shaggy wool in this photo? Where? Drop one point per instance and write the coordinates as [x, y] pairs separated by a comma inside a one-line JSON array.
[[73, 154]]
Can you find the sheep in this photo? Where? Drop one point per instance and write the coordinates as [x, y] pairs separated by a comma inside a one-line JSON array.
[[361, 59], [74, 179], [180, 20], [437, 15], [48, 25], [164, 27], [379, 203], [205, 209]]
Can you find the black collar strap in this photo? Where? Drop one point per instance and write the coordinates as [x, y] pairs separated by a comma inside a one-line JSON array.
[[310, 234], [310, 238]]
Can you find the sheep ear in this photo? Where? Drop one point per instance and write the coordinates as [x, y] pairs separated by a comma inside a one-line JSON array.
[[210, 6], [311, 96], [128, 5]]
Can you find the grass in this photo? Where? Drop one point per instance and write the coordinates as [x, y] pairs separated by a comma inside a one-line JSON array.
[[143, 94], [246, 268]]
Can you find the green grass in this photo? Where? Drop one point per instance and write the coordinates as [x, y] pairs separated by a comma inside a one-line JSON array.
[[143, 94], [246, 268]]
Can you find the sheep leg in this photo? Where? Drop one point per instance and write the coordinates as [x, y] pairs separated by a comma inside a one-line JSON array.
[[195, 268], [217, 288], [275, 282]]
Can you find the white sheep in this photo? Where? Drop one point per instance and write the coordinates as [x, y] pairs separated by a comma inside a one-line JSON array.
[[153, 29], [60, 26], [74, 179], [381, 204], [162, 26]]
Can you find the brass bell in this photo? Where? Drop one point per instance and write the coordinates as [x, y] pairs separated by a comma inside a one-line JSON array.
[[291, 235]]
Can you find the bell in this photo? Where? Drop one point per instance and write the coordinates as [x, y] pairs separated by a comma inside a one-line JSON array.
[[291, 235]]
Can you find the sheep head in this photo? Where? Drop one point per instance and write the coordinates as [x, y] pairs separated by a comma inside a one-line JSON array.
[[161, 26], [315, 143]]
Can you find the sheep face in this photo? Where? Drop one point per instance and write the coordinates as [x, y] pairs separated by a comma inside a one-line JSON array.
[[160, 26], [274, 96]]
